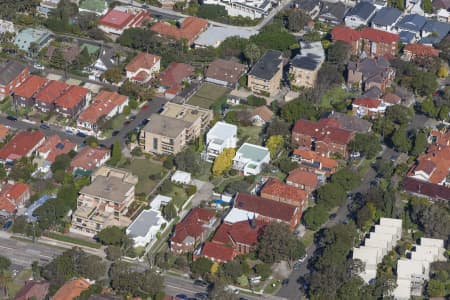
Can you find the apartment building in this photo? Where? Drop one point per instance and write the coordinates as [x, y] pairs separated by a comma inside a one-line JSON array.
[[265, 76], [305, 66], [12, 75], [105, 201]]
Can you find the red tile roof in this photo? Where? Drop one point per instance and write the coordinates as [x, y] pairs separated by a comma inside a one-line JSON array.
[[326, 130], [421, 50], [3, 131], [21, 144], [192, 224], [142, 60], [311, 155], [265, 207], [345, 34], [102, 105], [392, 98], [431, 190], [379, 36], [15, 191], [275, 188], [263, 112], [435, 163], [51, 91], [116, 19], [72, 96], [71, 289], [218, 252], [55, 146], [30, 86], [174, 74], [7, 205], [189, 29], [88, 158], [367, 102], [239, 233], [305, 178], [442, 138]]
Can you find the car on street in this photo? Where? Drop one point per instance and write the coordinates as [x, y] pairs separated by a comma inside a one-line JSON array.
[[11, 118], [144, 122], [285, 281], [201, 296], [7, 225], [133, 117], [201, 283], [80, 134], [144, 107], [181, 296], [44, 126], [297, 265], [69, 132], [38, 67], [115, 132]]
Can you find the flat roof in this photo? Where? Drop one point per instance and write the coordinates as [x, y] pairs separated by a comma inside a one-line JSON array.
[[166, 126], [253, 152], [142, 224], [111, 188], [215, 35]]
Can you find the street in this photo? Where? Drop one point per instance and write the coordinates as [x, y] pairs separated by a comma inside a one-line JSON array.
[[294, 288]]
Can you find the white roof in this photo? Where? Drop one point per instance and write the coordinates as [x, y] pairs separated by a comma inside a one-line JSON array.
[[432, 242], [381, 236], [181, 176], [386, 229], [214, 36], [237, 215], [407, 267], [368, 255], [144, 222], [424, 253], [222, 130], [312, 48], [403, 289], [391, 222], [158, 200]]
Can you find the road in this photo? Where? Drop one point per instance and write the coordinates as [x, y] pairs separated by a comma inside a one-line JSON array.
[[294, 288]]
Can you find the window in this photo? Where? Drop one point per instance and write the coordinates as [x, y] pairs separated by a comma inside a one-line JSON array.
[[155, 143]]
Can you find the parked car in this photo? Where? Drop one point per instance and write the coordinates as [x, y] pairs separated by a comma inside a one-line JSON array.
[[201, 296], [7, 225], [44, 126], [115, 132], [133, 117], [297, 265], [11, 118], [181, 296], [201, 283], [80, 134], [285, 281], [69, 132]]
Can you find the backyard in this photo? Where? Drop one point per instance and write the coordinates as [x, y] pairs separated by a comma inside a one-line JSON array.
[[208, 95], [250, 134], [149, 173]]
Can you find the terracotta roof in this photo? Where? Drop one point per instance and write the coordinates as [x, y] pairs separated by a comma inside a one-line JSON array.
[[435, 163], [218, 252], [72, 96], [345, 34], [263, 112], [102, 105], [192, 224], [421, 50], [21, 144], [274, 187], [225, 70], [304, 178], [15, 191], [189, 29], [240, 232], [326, 130], [71, 289], [88, 158], [174, 74], [55, 146], [431, 190], [265, 207], [392, 98], [3, 131], [311, 155], [116, 19], [32, 85], [441, 138], [7, 205], [379, 36], [142, 60], [367, 102], [51, 91]]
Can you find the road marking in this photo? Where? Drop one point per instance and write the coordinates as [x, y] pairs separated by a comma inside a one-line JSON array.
[[14, 249], [181, 289]]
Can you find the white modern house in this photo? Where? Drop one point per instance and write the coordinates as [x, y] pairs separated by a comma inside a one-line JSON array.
[[413, 272], [181, 177], [377, 245], [159, 200], [250, 158], [221, 136], [253, 9], [144, 228]]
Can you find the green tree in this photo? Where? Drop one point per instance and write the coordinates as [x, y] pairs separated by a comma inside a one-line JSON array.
[[401, 141], [435, 288], [112, 235], [367, 145], [57, 60], [315, 216], [22, 169], [84, 59], [278, 127], [429, 108], [212, 12], [346, 178], [299, 109], [274, 144], [62, 162], [169, 211], [113, 75], [255, 101], [2, 172], [427, 6], [223, 161], [339, 53], [398, 114], [331, 195], [297, 19], [201, 266], [420, 143], [252, 53], [263, 270], [116, 154], [188, 161], [275, 36], [5, 263]]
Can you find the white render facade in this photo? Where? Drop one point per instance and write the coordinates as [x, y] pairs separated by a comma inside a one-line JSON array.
[[144, 228], [221, 136], [250, 158], [253, 9]]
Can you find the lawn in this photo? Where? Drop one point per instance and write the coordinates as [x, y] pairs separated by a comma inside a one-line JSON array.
[[207, 95], [69, 239], [250, 134], [143, 169], [178, 195]]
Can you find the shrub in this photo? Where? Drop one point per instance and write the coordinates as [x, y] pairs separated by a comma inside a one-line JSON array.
[[190, 190]]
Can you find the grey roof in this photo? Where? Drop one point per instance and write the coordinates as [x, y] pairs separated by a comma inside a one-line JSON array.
[[374, 92], [214, 35], [386, 16], [267, 65], [111, 188], [412, 22], [10, 71], [363, 10], [351, 123], [307, 5], [166, 126], [439, 28], [406, 37], [253, 152], [333, 12], [142, 224], [305, 62], [310, 57]]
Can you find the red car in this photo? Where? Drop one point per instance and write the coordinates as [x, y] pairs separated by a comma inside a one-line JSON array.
[[144, 107]]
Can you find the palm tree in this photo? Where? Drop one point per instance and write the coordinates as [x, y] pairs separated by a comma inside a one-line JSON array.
[[252, 53]]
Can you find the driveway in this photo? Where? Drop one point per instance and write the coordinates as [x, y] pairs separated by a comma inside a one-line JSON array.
[[204, 192]]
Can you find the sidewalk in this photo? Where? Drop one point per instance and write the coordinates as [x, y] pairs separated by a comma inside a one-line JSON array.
[[56, 243]]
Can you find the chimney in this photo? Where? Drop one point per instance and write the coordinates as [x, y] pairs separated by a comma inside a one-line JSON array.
[[253, 222]]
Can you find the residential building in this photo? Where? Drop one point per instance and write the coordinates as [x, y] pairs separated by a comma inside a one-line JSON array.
[[105, 105], [46, 7], [168, 132], [369, 107], [33, 289], [360, 15], [12, 75], [7, 26], [250, 158], [224, 72], [189, 29], [378, 43], [413, 24], [275, 190], [247, 207], [105, 201], [434, 31], [324, 137], [311, 7], [376, 246], [244, 8], [413, 272], [441, 4], [98, 7], [159, 201], [305, 66], [116, 20], [333, 13], [265, 76], [192, 230], [50, 149], [428, 190], [260, 116], [89, 159], [72, 289], [391, 99], [349, 36], [144, 228], [12, 197], [386, 19], [370, 72], [73, 101], [181, 177], [310, 161], [215, 35], [4, 131], [351, 123], [23, 144], [216, 252], [172, 78], [412, 51], [24, 95], [221, 136], [28, 36], [143, 67], [46, 97], [433, 166], [307, 181]]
